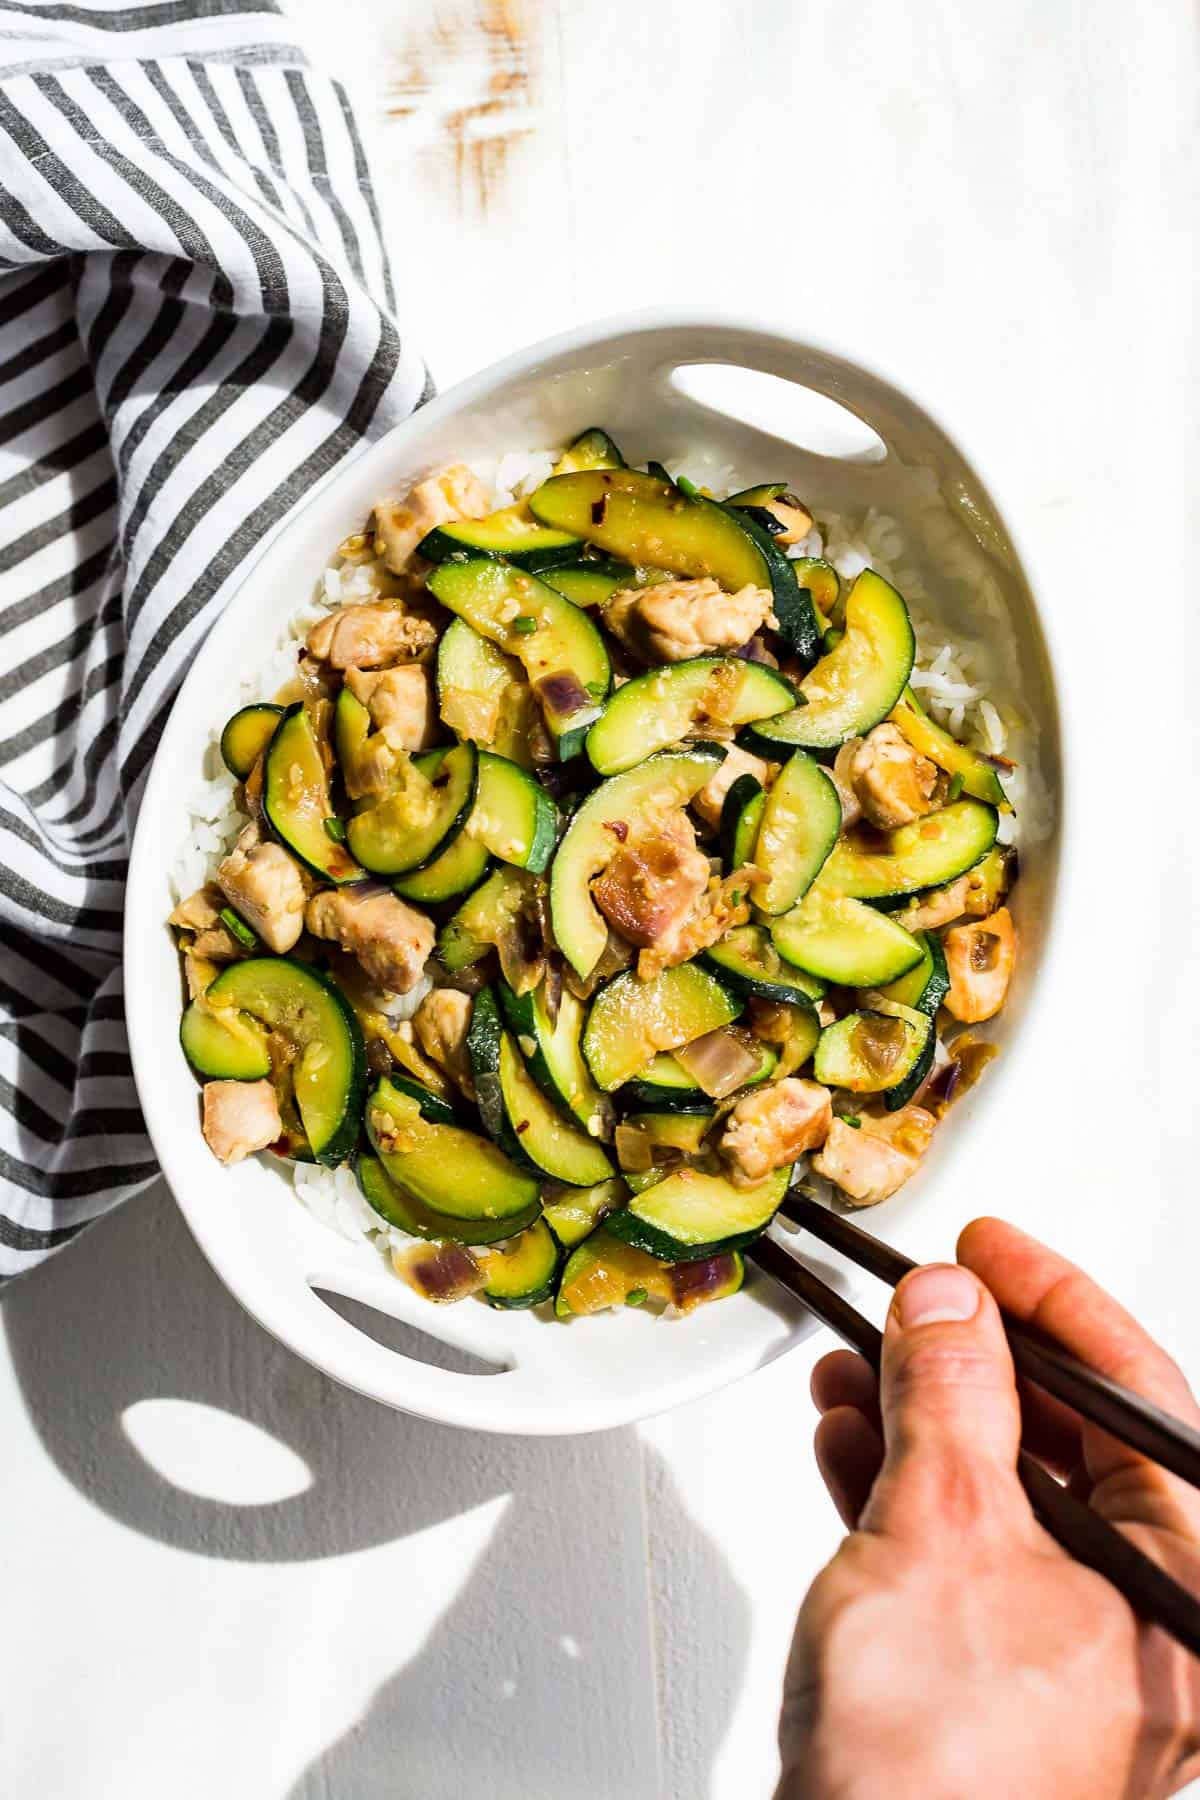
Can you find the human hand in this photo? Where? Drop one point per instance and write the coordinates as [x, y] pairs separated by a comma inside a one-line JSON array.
[[951, 1648]]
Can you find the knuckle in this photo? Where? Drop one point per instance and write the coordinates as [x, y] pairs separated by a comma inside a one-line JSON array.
[[938, 1363]]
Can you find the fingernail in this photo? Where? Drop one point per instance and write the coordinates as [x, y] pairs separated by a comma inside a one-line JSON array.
[[940, 1295]]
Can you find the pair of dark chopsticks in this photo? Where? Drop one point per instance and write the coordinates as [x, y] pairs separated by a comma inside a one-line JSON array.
[[1125, 1415]]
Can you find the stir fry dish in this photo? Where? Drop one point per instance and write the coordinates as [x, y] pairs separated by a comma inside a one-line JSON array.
[[600, 875]]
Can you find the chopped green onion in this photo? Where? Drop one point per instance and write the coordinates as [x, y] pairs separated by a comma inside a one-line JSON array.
[[596, 689], [688, 487], [852, 1120], [336, 830], [956, 787], [524, 624], [238, 928], [636, 1297]]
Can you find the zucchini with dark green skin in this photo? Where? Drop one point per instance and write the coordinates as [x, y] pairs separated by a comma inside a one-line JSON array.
[[554, 1055], [590, 583], [453, 1171], [631, 1020], [842, 940], [746, 960], [741, 815], [923, 988], [800, 822], [928, 853], [523, 1272], [483, 694], [403, 1211], [693, 1214], [487, 913], [682, 700], [418, 822], [516, 1114], [602, 1272], [329, 1065], [222, 1044], [665, 1086], [791, 604], [456, 871], [247, 735], [869, 1052], [821, 582], [977, 776], [592, 449], [509, 533], [513, 815], [574, 1213], [296, 800]]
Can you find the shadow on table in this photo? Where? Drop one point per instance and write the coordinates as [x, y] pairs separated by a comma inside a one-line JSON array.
[[133, 1312]]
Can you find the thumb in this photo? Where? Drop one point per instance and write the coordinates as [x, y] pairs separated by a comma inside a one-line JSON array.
[[951, 1416]]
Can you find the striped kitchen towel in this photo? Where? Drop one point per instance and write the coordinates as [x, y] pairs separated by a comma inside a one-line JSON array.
[[196, 325]]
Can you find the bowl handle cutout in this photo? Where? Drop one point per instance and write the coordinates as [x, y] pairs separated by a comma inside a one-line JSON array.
[[791, 409]]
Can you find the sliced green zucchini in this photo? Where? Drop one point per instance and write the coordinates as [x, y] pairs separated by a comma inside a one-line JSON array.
[[223, 1044], [456, 871], [602, 1272], [681, 700], [432, 1106], [791, 604], [747, 961], [592, 449], [692, 1214], [516, 1113], [405, 1212], [649, 791], [857, 684], [421, 818], [574, 1213], [683, 1132], [556, 643], [927, 983], [329, 1065], [455, 1172], [483, 694], [927, 853], [631, 1020], [590, 583], [665, 1085], [487, 913], [741, 815], [296, 801], [513, 815], [821, 581], [868, 1052], [844, 941], [552, 1051], [510, 533], [800, 823], [792, 1031], [759, 496], [524, 1271], [978, 777], [246, 736]]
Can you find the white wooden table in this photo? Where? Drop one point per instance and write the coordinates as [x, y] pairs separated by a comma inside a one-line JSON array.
[[223, 1575]]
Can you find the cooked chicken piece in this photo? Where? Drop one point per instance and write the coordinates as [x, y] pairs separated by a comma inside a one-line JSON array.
[[240, 1117], [841, 775], [371, 634], [653, 882], [391, 940], [773, 1126], [724, 904], [894, 783], [453, 493], [199, 973], [979, 962], [711, 798], [793, 515], [972, 894], [677, 619], [401, 704], [870, 1161], [441, 1023], [201, 913], [263, 883]]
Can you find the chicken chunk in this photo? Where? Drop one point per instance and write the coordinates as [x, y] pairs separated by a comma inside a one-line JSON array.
[[453, 493], [240, 1117], [937, 907], [979, 961], [653, 882], [677, 619], [200, 914], [894, 783], [711, 798], [441, 1023], [773, 1126], [371, 634], [794, 517], [724, 904], [391, 939], [401, 704], [872, 1160], [266, 887]]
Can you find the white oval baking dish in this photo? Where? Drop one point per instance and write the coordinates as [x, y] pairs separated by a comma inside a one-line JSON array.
[[274, 1256]]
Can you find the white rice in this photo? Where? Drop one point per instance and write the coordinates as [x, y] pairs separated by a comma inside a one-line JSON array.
[[953, 677]]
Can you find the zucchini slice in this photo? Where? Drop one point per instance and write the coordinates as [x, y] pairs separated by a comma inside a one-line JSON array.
[[483, 694], [590, 583], [868, 1052], [510, 533], [592, 449], [857, 684], [741, 815], [553, 1054], [683, 1132], [455, 1172], [602, 1272], [759, 496], [644, 520], [800, 823], [432, 1106], [927, 983], [329, 1068], [556, 643], [295, 799], [977, 775], [513, 816], [791, 604], [822, 582], [246, 736], [664, 1085], [515, 1112], [631, 1020], [692, 1214], [684, 699], [223, 1044], [574, 1213], [747, 961], [524, 1271], [421, 819], [456, 871], [653, 788], [487, 913], [843, 941], [928, 853], [405, 1212]]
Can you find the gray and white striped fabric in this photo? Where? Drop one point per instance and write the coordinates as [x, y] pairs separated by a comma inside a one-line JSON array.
[[195, 327]]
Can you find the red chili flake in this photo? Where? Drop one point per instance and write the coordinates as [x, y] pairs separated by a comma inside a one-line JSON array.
[[439, 781], [619, 829], [599, 508], [521, 1125]]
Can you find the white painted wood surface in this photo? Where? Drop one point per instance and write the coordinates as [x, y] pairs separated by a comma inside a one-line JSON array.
[[224, 1575]]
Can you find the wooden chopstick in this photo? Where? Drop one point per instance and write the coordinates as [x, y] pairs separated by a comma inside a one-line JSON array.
[[1083, 1533], [1157, 1434]]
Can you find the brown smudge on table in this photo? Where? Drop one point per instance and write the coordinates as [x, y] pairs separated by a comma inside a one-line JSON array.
[[472, 70]]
